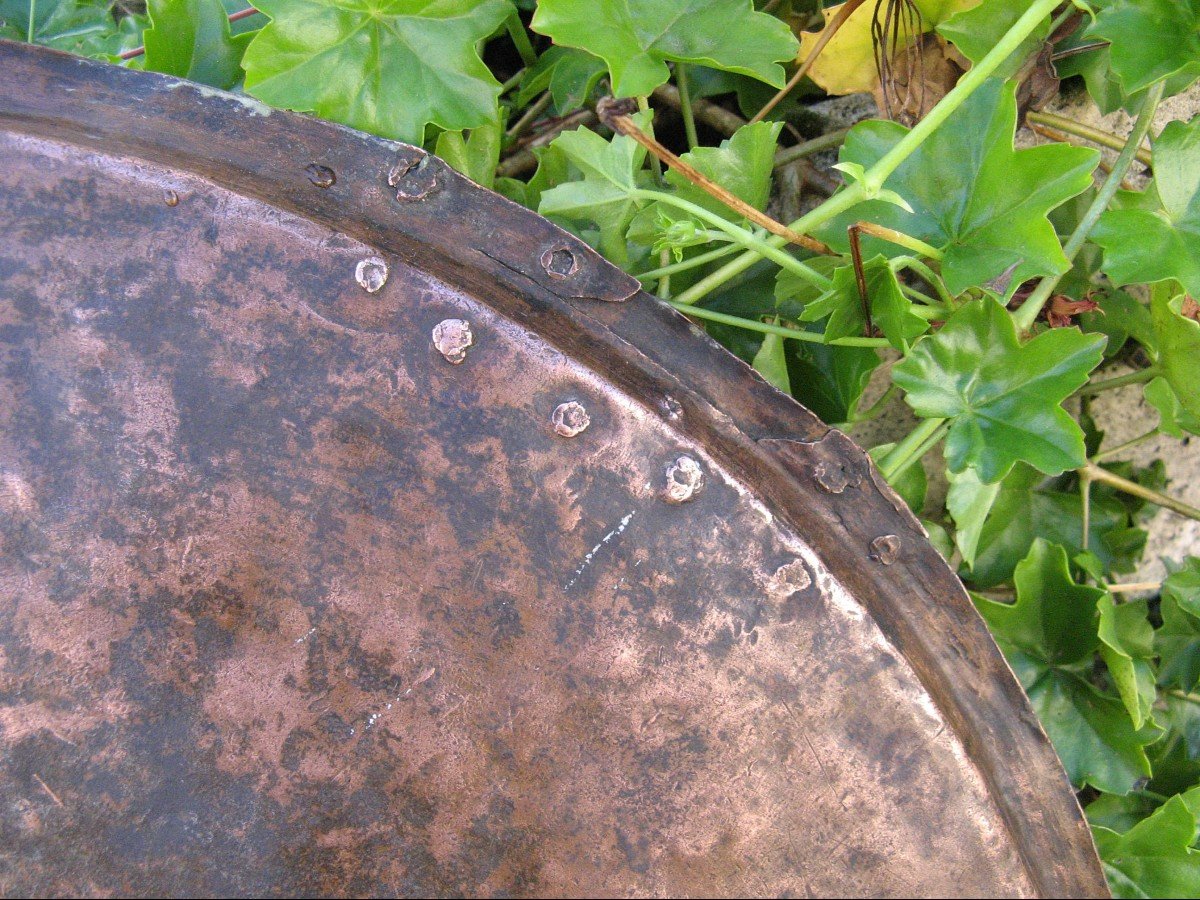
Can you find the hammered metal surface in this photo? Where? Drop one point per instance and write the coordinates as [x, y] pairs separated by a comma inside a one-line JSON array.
[[290, 606]]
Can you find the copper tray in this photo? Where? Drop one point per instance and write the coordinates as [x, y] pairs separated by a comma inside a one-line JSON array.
[[296, 599]]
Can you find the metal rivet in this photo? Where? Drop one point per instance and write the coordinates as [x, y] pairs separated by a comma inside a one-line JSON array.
[[885, 549], [560, 262], [832, 476], [685, 479], [321, 176], [453, 338], [570, 418], [413, 177], [170, 198], [371, 274]]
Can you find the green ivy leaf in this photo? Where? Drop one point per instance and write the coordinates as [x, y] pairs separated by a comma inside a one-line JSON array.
[[1103, 84], [891, 311], [969, 502], [636, 37], [1121, 317], [1151, 39], [475, 155], [771, 362], [975, 31], [1155, 235], [1127, 646], [389, 67], [1003, 397], [84, 27], [1178, 640], [569, 75], [1176, 758], [975, 197], [1154, 858], [1119, 813], [1049, 637], [1178, 346], [1023, 511], [191, 39], [610, 171], [830, 380], [1173, 419]]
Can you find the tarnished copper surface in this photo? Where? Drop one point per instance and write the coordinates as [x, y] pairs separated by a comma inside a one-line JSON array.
[[296, 598]]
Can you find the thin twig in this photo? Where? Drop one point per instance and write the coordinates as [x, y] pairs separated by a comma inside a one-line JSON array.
[[1134, 586], [825, 37], [685, 105], [1128, 445], [825, 142], [1087, 132], [860, 277], [1075, 51], [531, 115], [524, 161], [1095, 473], [615, 115], [812, 337], [1108, 384], [711, 114], [900, 239]]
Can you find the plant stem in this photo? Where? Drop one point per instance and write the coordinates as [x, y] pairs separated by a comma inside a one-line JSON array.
[[686, 264], [520, 39], [1134, 586], [1028, 313], [531, 115], [1085, 506], [839, 18], [900, 455], [716, 117], [685, 104], [928, 311], [1128, 445], [758, 246], [877, 407], [1087, 132], [816, 145], [1095, 473], [512, 82], [900, 239], [655, 164], [525, 161], [29, 31], [917, 455], [1108, 384], [811, 337], [609, 114], [664, 281], [874, 177], [931, 277]]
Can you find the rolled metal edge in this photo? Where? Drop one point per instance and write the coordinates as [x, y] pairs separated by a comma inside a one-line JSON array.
[[499, 251]]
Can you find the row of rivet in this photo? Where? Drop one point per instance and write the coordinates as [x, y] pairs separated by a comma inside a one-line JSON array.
[[453, 338]]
